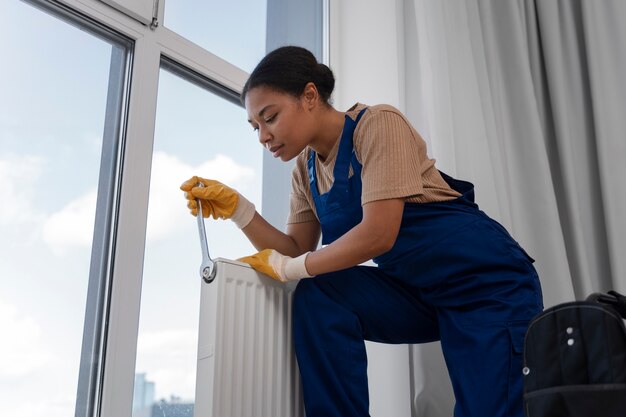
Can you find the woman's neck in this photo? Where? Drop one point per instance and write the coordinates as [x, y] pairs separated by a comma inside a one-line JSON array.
[[331, 124]]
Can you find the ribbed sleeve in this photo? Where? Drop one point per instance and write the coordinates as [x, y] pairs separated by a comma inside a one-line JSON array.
[[301, 205]]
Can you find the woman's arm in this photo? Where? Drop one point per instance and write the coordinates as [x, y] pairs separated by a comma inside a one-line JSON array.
[[375, 235], [300, 237]]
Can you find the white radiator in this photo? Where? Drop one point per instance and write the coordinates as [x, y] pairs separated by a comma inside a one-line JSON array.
[[246, 362]]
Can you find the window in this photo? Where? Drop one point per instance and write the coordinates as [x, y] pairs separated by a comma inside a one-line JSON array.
[[197, 133], [57, 132], [78, 142], [232, 30]]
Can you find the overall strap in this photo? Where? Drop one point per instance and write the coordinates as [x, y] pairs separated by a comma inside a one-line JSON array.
[[312, 174], [341, 170], [344, 156]]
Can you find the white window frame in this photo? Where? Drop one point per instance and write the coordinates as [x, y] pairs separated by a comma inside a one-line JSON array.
[[144, 11]]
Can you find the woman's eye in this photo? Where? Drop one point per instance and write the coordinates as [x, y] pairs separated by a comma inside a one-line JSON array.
[[270, 119]]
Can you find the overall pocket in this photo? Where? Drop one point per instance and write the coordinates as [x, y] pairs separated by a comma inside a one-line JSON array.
[[517, 330]]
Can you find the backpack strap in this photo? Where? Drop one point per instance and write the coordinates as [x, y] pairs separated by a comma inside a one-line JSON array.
[[611, 298]]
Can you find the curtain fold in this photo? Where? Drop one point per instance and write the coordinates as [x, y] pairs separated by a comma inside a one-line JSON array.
[[604, 35], [572, 143], [527, 100]]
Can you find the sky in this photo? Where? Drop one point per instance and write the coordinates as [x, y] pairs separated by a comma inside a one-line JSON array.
[[51, 121]]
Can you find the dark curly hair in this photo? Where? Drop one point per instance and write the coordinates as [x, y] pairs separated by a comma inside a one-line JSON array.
[[289, 69]]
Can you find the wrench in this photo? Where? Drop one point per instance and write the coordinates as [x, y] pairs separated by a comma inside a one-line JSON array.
[[207, 268]]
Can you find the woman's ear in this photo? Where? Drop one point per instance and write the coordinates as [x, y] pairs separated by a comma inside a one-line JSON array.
[[310, 95]]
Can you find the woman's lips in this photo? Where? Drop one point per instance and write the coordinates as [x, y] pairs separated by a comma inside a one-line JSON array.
[[275, 150]]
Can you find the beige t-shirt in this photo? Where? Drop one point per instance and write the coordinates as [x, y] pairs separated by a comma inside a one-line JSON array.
[[394, 160]]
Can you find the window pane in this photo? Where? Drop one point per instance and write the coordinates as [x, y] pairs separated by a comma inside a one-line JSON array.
[[197, 133], [54, 82], [209, 23]]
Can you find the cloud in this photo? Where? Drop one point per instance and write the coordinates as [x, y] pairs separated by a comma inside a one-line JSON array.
[[73, 224], [22, 352], [18, 177], [21, 217], [167, 205], [169, 360]]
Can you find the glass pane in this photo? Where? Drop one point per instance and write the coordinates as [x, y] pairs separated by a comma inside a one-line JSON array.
[[54, 81], [233, 30], [197, 133]]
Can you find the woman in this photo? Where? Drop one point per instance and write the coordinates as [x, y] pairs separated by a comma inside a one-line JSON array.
[[445, 270]]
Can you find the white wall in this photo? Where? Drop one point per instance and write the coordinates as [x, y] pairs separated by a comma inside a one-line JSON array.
[[366, 52]]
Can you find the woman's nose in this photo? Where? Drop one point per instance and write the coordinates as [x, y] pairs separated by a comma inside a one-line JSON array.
[[264, 136]]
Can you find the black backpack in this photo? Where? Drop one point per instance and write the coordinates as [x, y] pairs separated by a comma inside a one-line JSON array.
[[575, 359]]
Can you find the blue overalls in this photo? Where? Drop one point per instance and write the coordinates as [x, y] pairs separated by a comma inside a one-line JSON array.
[[453, 275]]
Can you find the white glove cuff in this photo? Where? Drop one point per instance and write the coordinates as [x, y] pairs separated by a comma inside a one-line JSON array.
[[295, 268], [243, 213]]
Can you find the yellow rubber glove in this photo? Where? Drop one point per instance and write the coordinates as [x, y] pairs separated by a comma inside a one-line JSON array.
[[277, 266], [218, 200]]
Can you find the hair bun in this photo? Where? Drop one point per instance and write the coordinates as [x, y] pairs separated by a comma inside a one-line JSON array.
[[325, 80]]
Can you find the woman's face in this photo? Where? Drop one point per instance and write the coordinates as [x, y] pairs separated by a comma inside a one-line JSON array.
[[282, 121]]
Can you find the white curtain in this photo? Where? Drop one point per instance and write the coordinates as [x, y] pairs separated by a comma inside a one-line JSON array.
[[527, 99]]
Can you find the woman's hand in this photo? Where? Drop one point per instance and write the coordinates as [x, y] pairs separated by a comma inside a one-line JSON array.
[[277, 266], [218, 200]]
